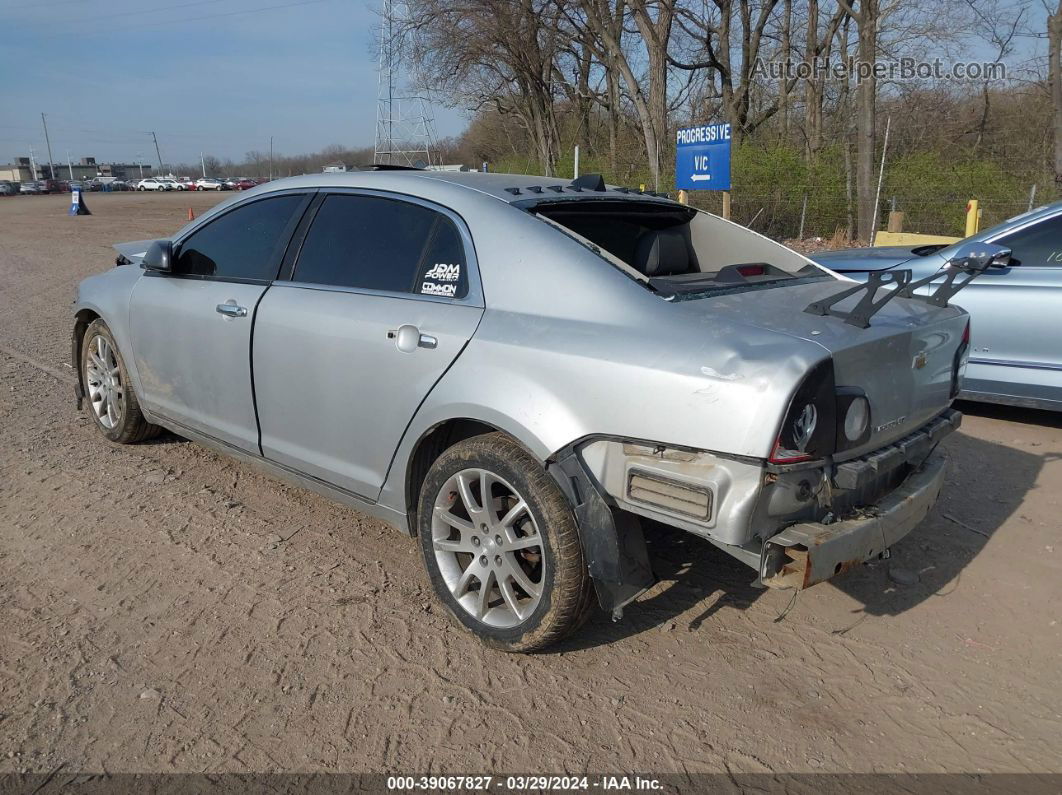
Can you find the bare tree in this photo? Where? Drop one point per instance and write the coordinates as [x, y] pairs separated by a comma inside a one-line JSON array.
[[1054, 71], [867, 15], [818, 47], [730, 57], [599, 25], [999, 27], [493, 53]]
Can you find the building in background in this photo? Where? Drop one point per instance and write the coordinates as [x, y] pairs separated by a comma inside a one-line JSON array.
[[24, 169]]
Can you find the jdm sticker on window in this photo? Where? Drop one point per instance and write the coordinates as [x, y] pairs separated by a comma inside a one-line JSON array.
[[441, 280]]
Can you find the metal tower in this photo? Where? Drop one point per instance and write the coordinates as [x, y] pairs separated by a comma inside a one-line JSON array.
[[405, 127]]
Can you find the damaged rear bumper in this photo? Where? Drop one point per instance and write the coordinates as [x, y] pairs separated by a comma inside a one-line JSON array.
[[810, 552]]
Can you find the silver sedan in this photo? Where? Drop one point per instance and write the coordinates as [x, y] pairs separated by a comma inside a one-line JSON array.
[[518, 371]]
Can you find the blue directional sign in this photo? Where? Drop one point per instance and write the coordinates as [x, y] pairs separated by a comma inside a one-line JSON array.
[[702, 157]]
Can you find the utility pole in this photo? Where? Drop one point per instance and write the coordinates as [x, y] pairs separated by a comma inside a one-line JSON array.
[[51, 168], [202, 162], [157, 152], [270, 158], [33, 167], [69, 165], [140, 162]]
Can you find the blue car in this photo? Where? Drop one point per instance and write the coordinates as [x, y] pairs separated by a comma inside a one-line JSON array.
[[1016, 311]]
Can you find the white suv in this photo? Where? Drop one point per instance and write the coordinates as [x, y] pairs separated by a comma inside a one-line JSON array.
[[154, 184]]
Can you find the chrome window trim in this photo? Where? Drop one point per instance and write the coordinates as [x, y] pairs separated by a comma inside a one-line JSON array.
[[1015, 363], [474, 295]]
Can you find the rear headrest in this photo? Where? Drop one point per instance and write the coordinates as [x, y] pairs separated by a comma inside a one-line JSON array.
[[663, 252]]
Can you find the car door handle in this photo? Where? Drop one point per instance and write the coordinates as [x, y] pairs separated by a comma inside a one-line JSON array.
[[408, 338], [230, 309]]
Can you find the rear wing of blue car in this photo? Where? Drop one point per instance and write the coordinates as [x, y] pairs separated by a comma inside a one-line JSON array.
[[969, 262]]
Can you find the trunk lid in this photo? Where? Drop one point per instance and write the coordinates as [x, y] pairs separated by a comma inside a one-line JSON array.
[[903, 361]]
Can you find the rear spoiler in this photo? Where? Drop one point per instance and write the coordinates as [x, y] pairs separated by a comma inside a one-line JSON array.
[[131, 252], [970, 261]]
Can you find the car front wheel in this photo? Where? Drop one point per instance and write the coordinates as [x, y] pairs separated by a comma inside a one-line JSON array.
[[113, 404], [501, 546]]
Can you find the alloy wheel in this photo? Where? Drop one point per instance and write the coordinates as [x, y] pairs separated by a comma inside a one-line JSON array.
[[488, 547], [104, 380]]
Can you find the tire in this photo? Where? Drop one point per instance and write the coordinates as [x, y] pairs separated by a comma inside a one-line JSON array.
[[123, 422], [538, 593]]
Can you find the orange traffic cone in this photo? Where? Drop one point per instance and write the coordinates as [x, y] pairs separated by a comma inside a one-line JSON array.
[[191, 215]]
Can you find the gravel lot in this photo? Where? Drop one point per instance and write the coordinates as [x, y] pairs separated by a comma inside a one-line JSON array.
[[163, 608]]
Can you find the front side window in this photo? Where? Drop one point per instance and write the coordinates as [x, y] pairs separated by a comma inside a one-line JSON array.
[[1037, 245], [372, 243], [241, 244]]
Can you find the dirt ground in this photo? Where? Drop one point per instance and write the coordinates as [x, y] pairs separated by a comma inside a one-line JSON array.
[[163, 608]]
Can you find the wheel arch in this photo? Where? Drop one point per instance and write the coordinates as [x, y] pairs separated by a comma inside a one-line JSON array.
[[83, 318], [431, 444]]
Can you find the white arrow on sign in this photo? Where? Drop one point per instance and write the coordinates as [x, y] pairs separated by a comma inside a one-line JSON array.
[[700, 177]]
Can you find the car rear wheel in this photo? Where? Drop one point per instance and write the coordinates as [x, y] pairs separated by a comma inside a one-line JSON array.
[[113, 404], [501, 547]]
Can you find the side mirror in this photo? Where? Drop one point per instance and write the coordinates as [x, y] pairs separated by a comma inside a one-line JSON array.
[[159, 257], [979, 257]]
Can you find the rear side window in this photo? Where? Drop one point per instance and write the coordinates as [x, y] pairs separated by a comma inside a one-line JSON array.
[[241, 244], [372, 243]]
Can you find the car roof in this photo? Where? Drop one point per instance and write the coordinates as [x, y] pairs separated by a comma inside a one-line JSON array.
[[511, 188]]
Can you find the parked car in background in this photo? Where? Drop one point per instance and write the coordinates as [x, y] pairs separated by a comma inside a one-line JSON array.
[[153, 183], [50, 186], [8, 188], [30, 187], [551, 363], [244, 183], [186, 183], [171, 184], [1016, 311], [261, 181], [209, 183], [76, 185]]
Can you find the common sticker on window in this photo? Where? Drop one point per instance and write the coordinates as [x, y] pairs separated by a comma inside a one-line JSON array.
[[441, 280]]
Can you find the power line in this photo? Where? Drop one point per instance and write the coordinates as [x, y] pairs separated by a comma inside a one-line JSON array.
[[215, 16], [142, 11], [40, 5]]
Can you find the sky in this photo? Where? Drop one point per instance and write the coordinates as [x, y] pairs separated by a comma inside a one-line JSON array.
[[213, 76]]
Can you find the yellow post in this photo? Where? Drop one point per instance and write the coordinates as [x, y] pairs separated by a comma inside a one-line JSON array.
[[726, 205], [684, 197], [973, 217]]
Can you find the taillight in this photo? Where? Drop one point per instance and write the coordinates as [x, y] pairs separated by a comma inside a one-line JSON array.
[[958, 364], [809, 430], [822, 419]]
